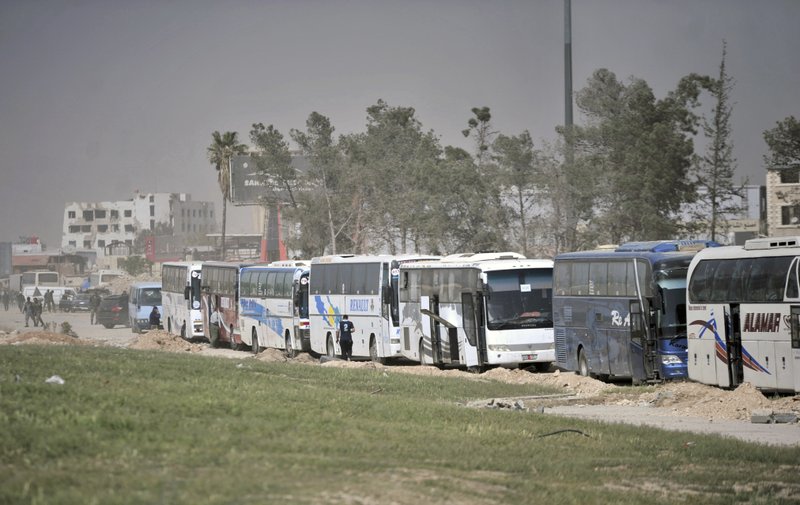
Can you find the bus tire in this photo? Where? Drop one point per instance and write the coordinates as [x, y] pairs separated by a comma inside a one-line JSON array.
[[234, 345], [290, 352], [373, 351], [254, 346], [330, 350], [583, 363], [423, 359]]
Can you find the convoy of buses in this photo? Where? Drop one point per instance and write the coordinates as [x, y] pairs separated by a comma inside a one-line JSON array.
[[645, 311]]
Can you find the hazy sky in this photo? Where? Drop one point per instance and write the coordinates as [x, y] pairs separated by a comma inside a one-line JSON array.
[[102, 97]]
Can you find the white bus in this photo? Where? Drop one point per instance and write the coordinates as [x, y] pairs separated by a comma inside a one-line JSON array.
[[743, 315], [478, 310], [273, 306], [362, 288], [180, 299], [102, 278]]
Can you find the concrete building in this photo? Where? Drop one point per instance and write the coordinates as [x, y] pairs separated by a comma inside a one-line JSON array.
[[98, 225], [783, 201], [739, 227]]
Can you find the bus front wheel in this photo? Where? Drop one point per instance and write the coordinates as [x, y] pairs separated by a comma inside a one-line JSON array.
[[331, 350], [373, 352], [254, 346], [290, 352], [583, 364]]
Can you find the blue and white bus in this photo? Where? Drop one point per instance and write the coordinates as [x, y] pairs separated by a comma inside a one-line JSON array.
[[622, 312], [743, 311], [362, 288], [478, 310], [273, 306], [180, 299]]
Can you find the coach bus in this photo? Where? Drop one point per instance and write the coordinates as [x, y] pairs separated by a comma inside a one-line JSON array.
[[622, 312], [273, 306], [743, 309], [478, 310], [220, 292], [180, 299], [362, 288]]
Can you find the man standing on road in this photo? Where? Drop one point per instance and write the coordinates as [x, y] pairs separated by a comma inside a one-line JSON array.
[[214, 322], [27, 309], [344, 337], [94, 304]]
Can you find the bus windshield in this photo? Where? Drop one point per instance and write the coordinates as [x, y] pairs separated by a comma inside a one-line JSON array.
[[672, 289], [150, 296], [519, 299]]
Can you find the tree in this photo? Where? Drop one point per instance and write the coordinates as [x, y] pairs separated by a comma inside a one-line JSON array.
[[274, 161], [717, 167], [643, 149], [323, 178], [518, 173], [224, 147], [783, 142], [480, 127]]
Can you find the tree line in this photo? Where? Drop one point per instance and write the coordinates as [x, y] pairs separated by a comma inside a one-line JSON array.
[[626, 173]]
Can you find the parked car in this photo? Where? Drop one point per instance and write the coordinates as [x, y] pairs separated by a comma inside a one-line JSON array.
[[78, 303], [113, 310]]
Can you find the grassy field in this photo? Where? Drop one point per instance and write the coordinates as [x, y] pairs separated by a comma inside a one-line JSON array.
[[154, 427]]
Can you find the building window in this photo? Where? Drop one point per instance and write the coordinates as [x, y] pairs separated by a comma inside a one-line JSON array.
[[87, 244], [129, 228], [790, 215], [790, 176], [114, 214], [115, 227], [211, 212], [194, 213], [129, 242], [74, 228], [152, 198], [102, 228], [88, 215], [152, 224], [100, 214], [101, 243], [183, 212], [71, 214], [152, 210], [128, 213], [72, 243], [87, 228]]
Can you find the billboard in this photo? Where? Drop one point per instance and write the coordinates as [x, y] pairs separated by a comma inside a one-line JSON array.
[[248, 187]]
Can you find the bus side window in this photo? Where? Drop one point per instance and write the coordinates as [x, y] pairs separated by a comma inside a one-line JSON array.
[[792, 287]]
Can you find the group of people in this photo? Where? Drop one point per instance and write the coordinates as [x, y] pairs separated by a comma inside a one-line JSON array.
[[33, 310]]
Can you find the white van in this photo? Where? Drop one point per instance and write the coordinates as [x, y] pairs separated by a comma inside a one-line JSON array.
[[39, 291]]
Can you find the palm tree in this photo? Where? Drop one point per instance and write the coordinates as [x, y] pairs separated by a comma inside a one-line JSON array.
[[220, 152]]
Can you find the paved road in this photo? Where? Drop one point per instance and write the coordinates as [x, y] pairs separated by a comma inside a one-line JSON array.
[[772, 434], [117, 336]]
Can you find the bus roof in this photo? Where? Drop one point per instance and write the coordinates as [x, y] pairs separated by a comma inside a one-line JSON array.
[[364, 258], [487, 265], [230, 264], [274, 267], [146, 284], [667, 245]]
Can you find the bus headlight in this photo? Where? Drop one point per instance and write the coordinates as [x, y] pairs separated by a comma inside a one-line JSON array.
[[499, 348], [671, 359]]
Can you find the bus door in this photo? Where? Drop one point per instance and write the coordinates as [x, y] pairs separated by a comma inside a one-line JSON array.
[[795, 352], [437, 352], [475, 339], [732, 354], [638, 345]]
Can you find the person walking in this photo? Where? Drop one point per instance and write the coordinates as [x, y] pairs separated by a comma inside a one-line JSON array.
[[27, 309], [21, 302], [37, 312], [94, 304], [6, 299], [344, 337]]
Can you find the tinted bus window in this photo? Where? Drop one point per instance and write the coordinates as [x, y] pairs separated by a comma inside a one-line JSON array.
[[598, 278], [579, 277]]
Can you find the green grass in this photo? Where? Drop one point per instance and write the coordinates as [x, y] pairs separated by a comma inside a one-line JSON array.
[[154, 427]]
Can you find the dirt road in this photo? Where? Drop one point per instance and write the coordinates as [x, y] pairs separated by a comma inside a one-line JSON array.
[[683, 406]]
